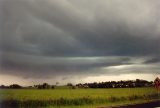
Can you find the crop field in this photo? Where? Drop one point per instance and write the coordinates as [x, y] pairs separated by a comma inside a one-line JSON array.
[[57, 98]]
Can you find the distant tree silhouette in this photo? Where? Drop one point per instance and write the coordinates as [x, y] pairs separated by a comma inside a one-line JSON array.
[[2, 86], [109, 84], [15, 86], [118, 84], [44, 86], [69, 84], [52, 87]]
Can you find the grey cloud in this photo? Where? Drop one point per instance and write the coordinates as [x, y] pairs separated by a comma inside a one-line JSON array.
[[60, 28], [38, 35], [153, 60], [57, 65]]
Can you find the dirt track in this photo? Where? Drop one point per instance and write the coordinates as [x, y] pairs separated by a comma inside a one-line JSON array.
[[155, 104]]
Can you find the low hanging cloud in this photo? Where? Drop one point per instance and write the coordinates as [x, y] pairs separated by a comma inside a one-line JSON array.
[[41, 38], [57, 65]]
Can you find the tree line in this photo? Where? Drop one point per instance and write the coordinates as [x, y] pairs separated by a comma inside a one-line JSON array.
[[118, 84], [108, 84], [39, 86]]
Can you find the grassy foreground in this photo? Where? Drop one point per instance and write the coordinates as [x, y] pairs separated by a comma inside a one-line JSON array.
[[76, 98]]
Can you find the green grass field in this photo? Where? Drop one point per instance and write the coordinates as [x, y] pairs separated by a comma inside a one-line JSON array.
[[58, 98]]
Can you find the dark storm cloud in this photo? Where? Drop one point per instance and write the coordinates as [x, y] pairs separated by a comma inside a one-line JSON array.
[[27, 64], [49, 35], [153, 60]]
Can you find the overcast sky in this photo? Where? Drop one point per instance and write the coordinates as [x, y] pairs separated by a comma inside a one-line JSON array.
[[78, 40]]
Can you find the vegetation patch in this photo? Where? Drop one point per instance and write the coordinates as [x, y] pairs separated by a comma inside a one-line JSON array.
[[26, 98]]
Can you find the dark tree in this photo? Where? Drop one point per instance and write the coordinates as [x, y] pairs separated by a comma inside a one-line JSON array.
[[69, 84], [15, 86]]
